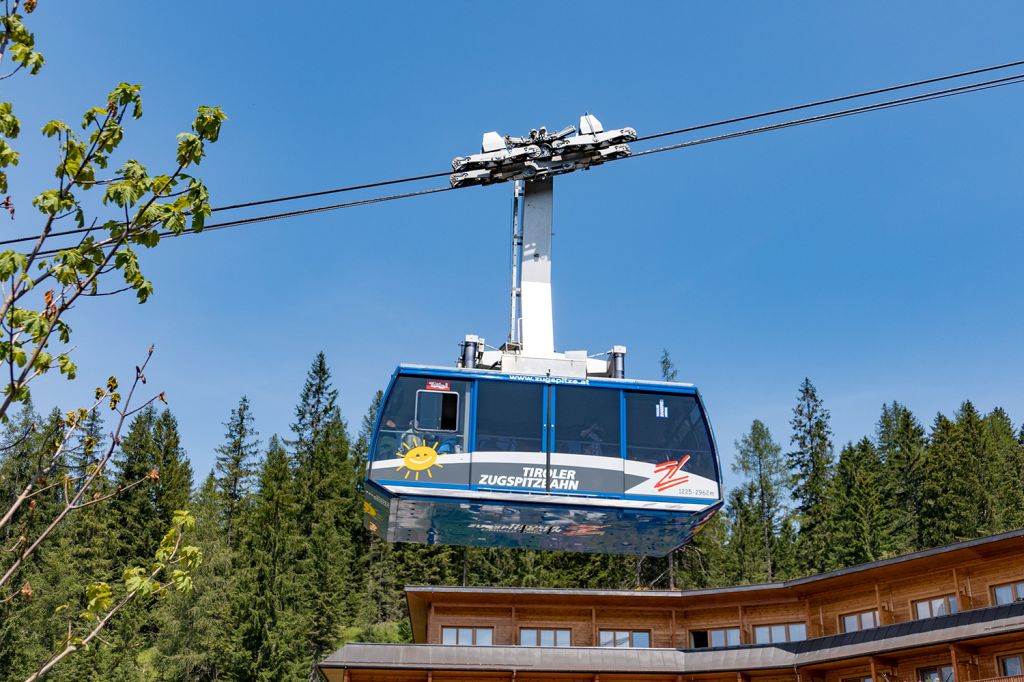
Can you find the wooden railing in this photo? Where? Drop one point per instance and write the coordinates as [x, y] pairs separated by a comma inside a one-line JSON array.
[[1012, 678]]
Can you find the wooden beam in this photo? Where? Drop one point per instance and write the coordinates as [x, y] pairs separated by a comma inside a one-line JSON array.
[[593, 627], [674, 629], [878, 604], [961, 599], [871, 662], [954, 662]]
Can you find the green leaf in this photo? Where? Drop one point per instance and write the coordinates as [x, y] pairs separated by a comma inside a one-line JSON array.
[[99, 596], [190, 149], [67, 367], [54, 127], [9, 125], [208, 122], [12, 262], [8, 157], [183, 519]]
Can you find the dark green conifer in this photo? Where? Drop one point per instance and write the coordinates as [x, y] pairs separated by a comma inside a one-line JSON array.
[[235, 468], [197, 635], [810, 463], [746, 541], [863, 524], [1006, 461], [267, 608], [329, 516], [947, 512], [759, 460], [901, 446]]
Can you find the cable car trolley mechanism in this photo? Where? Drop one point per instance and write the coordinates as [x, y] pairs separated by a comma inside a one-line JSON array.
[[523, 446]]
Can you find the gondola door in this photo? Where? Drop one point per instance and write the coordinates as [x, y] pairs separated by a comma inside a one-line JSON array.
[[585, 441], [509, 450]]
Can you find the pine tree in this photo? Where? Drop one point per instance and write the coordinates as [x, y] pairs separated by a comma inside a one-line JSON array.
[[811, 466], [235, 464], [329, 516], [271, 629], [979, 478], [901, 445], [746, 540], [141, 515], [863, 525], [759, 459], [196, 637], [705, 561], [1006, 460], [948, 512]]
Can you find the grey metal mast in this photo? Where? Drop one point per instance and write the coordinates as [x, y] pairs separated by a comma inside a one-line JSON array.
[[531, 163]]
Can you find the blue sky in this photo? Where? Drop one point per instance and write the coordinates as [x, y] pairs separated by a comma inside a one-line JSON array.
[[880, 255]]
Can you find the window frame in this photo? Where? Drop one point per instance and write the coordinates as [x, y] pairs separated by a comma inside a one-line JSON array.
[[631, 634], [538, 630], [859, 615], [940, 667], [1000, 661], [771, 629], [416, 410], [474, 628], [1016, 588], [949, 599], [708, 632]]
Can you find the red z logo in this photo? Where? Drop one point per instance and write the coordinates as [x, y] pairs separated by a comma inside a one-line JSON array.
[[673, 475]]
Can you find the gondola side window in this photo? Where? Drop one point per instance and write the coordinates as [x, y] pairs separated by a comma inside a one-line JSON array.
[[437, 411], [509, 417], [422, 411], [587, 421], [663, 427]]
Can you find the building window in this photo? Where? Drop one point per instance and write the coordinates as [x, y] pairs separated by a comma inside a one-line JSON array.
[[1012, 666], [467, 636], [633, 639], [937, 606], [544, 637], [1009, 593], [859, 621], [702, 639], [942, 673], [785, 632]]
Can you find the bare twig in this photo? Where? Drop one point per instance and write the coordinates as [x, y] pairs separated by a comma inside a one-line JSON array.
[[77, 501]]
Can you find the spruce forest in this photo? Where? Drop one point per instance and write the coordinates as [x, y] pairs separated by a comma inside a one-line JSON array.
[[288, 573]]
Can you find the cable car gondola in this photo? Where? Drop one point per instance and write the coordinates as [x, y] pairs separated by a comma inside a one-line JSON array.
[[522, 446]]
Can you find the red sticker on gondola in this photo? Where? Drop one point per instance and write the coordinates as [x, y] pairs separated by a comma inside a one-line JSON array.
[[439, 386]]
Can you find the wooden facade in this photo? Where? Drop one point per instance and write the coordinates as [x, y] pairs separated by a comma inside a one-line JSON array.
[[874, 596]]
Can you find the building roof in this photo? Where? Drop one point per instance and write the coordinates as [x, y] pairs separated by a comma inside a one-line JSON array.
[[813, 652], [419, 597]]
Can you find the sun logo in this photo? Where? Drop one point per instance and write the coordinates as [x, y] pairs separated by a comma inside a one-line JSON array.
[[419, 457]]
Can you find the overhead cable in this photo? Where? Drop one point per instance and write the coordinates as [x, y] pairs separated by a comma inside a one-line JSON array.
[[913, 99], [833, 100]]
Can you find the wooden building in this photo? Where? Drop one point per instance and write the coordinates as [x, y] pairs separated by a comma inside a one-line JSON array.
[[950, 614]]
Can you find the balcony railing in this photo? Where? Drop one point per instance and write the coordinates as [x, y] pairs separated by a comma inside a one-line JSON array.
[[1011, 678]]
